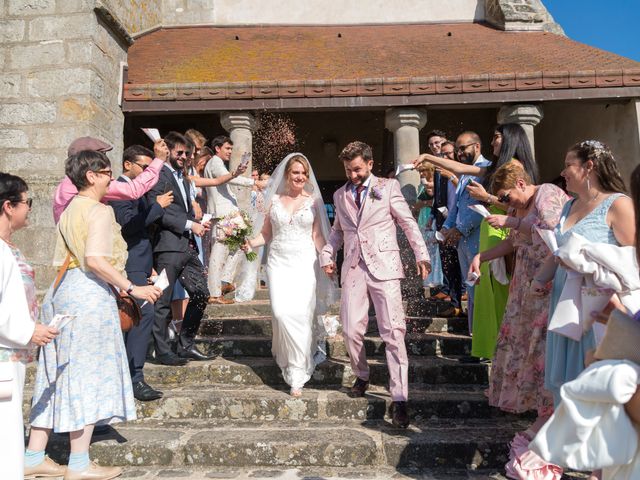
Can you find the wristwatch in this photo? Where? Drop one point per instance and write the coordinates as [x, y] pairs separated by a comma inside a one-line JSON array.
[[130, 288]]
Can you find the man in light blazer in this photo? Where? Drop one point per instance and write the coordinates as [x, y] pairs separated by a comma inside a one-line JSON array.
[[367, 211]]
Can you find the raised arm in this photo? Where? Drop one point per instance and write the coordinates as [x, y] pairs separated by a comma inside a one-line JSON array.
[[451, 165]]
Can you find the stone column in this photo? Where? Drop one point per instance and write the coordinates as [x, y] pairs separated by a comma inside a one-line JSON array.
[[240, 126], [405, 123], [528, 116]]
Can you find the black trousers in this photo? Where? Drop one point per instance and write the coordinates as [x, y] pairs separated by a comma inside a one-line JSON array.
[[453, 285], [136, 340], [187, 267]]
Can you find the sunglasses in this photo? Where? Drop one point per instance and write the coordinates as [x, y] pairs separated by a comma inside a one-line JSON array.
[[504, 198], [28, 201], [462, 148], [180, 153]]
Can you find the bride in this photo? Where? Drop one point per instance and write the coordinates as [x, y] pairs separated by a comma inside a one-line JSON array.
[[296, 227]]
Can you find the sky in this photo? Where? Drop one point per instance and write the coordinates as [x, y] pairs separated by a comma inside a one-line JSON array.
[[612, 25]]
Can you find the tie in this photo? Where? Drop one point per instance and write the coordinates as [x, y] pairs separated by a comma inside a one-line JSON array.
[[359, 190]]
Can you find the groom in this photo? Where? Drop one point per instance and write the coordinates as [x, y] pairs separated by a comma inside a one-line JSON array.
[[367, 210]]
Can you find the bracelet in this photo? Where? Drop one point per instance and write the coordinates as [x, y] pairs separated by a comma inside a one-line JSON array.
[[488, 198]]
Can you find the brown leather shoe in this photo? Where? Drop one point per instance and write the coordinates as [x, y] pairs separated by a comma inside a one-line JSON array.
[[228, 288], [94, 472], [441, 296], [465, 297], [220, 301], [399, 415], [359, 387], [46, 469], [451, 312]]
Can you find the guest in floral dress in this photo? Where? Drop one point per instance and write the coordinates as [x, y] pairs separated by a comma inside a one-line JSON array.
[[18, 330], [517, 372], [83, 377]]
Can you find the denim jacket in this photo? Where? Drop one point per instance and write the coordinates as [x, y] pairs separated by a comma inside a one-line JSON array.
[[460, 217]]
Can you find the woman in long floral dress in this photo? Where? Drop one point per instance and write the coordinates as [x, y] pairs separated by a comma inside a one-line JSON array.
[[517, 372]]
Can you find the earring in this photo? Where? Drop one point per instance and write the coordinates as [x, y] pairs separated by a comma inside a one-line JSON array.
[[588, 184]]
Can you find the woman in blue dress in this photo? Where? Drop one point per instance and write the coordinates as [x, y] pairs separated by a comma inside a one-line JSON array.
[[600, 212]]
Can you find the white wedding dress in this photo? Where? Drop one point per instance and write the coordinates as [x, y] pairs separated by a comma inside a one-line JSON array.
[[291, 274]]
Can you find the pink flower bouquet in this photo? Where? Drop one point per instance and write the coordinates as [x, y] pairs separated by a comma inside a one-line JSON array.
[[234, 230]]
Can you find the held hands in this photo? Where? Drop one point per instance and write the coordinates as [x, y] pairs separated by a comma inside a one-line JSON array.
[[330, 269], [43, 334], [165, 199], [160, 150], [150, 293]]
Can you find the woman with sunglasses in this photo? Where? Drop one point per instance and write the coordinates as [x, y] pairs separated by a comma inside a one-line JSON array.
[[83, 377], [517, 371], [19, 332]]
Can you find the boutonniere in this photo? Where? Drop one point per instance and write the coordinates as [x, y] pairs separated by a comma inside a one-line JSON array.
[[376, 193]]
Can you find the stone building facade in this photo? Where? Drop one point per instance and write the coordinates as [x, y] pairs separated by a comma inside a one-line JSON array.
[[64, 75]]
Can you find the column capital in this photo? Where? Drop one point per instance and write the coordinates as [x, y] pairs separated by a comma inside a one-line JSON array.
[[405, 117], [522, 114], [232, 120]]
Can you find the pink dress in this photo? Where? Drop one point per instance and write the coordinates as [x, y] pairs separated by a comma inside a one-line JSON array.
[[517, 371]]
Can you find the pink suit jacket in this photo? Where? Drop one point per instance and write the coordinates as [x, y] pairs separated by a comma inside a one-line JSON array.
[[370, 233]]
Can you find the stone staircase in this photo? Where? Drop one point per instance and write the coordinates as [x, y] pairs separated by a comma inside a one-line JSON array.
[[235, 411]]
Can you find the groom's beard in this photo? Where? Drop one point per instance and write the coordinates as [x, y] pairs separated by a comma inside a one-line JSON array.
[[361, 180]]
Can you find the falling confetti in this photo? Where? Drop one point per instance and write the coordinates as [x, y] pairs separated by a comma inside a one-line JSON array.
[[274, 140]]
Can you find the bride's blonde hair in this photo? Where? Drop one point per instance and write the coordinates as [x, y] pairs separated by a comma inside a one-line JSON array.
[[302, 161]]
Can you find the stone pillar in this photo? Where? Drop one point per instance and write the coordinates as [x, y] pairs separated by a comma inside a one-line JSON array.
[[240, 126], [528, 116], [405, 123]]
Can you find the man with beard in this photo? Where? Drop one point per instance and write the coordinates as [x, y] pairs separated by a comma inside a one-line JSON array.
[[175, 251], [462, 226]]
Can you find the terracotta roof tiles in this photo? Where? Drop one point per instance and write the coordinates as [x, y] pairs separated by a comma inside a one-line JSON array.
[[269, 62]]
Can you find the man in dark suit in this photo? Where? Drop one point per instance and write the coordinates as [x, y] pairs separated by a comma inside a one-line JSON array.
[[135, 216], [175, 251]]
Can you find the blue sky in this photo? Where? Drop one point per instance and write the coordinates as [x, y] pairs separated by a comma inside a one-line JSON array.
[[612, 25]]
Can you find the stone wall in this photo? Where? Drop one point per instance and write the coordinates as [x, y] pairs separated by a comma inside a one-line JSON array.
[[60, 80], [520, 15]]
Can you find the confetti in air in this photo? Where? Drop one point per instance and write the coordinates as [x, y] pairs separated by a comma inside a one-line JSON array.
[[274, 139]]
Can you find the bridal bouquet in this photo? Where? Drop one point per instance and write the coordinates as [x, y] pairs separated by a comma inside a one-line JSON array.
[[234, 230]]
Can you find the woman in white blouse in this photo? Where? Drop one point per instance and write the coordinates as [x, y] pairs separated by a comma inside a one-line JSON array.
[[18, 329]]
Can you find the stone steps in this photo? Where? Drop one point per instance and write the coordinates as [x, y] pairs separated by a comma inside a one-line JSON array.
[[264, 371], [452, 444], [261, 325], [265, 404], [260, 345]]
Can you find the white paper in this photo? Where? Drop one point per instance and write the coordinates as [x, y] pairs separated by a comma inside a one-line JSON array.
[[244, 161], [439, 237], [404, 167], [152, 133], [472, 278], [60, 321], [549, 238], [444, 211], [481, 209], [161, 281], [206, 217]]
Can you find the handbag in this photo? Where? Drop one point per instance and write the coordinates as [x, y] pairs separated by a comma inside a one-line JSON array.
[[621, 339], [128, 309]]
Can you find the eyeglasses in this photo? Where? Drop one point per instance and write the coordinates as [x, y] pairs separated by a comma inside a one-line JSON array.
[[28, 201], [462, 148], [142, 166], [504, 198], [108, 173]]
